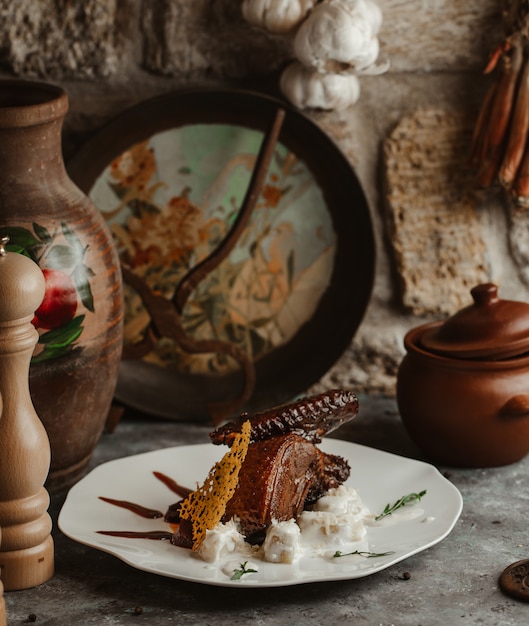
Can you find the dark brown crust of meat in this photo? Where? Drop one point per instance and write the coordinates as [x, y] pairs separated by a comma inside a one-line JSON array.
[[278, 478], [172, 515], [310, 418], [337, 471], [183, 537]]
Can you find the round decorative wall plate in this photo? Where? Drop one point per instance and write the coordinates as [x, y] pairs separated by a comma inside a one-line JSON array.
[[246, 244]]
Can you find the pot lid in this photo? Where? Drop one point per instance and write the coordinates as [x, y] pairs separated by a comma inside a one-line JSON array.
[[490, 328]]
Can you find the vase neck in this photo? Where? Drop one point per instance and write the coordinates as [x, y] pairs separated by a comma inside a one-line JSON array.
[[31, 119], [32, 153]]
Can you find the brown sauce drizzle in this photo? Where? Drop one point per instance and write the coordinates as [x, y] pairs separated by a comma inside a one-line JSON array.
[[142, 511], [158, 535], [135, 508], [181, 491]]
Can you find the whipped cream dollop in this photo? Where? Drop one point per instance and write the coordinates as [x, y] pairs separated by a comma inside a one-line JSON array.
[[337, 520], [221, 541]]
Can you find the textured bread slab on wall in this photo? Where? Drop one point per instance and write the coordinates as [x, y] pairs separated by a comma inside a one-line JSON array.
[[434, 227]]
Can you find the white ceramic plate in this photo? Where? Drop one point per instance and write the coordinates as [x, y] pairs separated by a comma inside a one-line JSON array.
[[379, 477]]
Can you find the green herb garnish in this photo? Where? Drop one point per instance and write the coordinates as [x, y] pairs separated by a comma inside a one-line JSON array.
[[239, 573], [367, 555], [390, 508]]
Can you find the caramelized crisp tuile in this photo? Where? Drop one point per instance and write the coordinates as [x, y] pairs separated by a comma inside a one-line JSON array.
[[205, 506]]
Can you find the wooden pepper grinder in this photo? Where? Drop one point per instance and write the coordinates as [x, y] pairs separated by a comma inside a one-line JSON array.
[[27, 551], [3, 618]]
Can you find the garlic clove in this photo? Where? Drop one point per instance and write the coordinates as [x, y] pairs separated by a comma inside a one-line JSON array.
[[372, 14], [368, 56], [276, 16], [307, 89]]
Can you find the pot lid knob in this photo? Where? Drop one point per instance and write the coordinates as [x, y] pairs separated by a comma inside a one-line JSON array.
[[490, 328]]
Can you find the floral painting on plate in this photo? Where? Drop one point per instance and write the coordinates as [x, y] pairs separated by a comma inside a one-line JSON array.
[[171, 200]]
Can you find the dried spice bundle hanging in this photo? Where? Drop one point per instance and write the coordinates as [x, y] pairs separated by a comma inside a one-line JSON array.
[[500, 142]]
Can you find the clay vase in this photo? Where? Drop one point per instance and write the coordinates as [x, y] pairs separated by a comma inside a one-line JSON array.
[[463, 386], [74, 367]]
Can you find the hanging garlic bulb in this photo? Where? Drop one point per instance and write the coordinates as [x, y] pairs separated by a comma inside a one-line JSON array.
[[308, 89], [339, 35], [276, 16], [333, 41]]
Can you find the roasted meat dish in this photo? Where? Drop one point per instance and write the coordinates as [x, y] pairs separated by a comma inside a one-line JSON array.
[[284, 471], [279, 477]]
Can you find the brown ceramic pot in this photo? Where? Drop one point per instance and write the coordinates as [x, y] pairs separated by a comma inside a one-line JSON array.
[[74, 368], [463, 386]]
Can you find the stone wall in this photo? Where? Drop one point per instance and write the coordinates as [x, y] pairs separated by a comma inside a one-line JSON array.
[[407, 137]]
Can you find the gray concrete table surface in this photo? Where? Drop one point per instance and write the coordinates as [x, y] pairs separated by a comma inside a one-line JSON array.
[[453, 582]]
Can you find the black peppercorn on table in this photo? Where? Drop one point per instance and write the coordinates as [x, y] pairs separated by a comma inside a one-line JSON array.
[[455, 581]]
